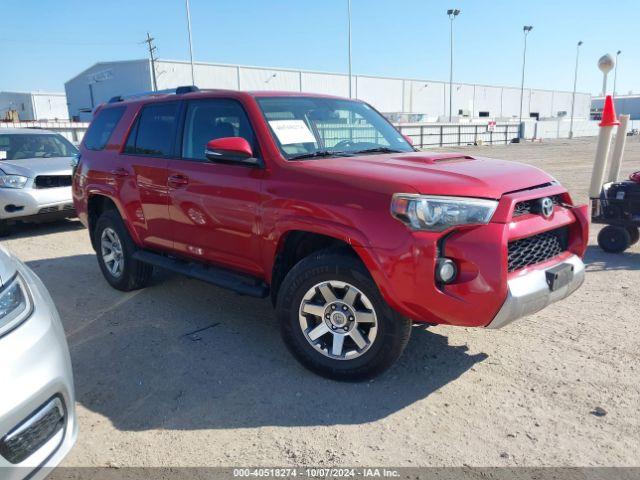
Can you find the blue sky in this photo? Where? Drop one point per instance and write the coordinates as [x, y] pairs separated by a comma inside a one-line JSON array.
[[43, 43]]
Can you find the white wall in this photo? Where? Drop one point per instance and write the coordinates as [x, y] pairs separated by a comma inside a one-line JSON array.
[[389, 95], [488, 99]]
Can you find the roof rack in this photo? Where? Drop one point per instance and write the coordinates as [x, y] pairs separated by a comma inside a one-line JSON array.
[[169, 91]]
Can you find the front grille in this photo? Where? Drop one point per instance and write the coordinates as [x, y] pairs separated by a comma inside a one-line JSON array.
[[48, 209], [537, 249], [24, 440], [67, 207], [52, 181], [528, 206]]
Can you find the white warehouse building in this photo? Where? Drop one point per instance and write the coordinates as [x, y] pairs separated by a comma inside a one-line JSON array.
[[427, 98], [34, 105]]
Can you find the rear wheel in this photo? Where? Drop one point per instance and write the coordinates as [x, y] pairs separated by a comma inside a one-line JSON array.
[[335, 321], [634, 233], [614, 239], [115, 249]]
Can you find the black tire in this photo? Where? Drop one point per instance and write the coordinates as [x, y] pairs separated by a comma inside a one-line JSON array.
[[134, 274], [393, 330], [5, 228], [614, 239], [634, 234]]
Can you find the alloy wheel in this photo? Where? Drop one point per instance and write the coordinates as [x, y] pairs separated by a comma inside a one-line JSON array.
[[111, 250], [338, 320]]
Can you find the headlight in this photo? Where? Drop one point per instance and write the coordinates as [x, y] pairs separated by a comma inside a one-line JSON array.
[[435, 213], [13, 181], [15, 304]]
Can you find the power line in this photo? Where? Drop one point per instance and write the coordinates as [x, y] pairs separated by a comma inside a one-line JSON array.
[[152, 57]]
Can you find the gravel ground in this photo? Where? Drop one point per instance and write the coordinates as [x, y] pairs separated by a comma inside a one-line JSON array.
[[150, 393]]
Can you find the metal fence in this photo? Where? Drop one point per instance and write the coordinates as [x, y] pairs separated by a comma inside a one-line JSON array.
[[444, 134], [72, 131]]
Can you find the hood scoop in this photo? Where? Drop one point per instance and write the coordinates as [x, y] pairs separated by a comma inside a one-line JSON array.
[[439, 158]]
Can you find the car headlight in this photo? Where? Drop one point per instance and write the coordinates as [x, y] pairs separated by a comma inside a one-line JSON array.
[[13, 181], [437, 213], [15, 304]]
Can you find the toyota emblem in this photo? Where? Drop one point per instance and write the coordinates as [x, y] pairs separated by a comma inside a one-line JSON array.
[[546, 207]]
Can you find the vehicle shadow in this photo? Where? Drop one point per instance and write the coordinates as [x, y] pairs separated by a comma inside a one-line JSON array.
[[182, 354], [24, 230], [598, 260]]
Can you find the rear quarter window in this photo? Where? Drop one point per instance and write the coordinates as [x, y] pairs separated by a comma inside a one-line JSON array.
[[102, 127], [154, 131]]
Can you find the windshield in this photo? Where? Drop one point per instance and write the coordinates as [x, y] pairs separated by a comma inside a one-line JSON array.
[[311, 127], [15, 146]]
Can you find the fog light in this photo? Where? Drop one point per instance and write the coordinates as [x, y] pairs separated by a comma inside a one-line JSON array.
[[446, 270]]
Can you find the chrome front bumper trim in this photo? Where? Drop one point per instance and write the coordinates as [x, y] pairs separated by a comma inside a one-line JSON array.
[[530, 293]]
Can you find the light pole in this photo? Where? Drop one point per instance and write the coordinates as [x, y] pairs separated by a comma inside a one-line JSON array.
[[526, 29], [193, 77], [615, 73], [575, 81], [349, 42], [452, 14]]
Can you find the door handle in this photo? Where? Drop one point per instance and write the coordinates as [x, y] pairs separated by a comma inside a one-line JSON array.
[[178, 181], [119, 172]]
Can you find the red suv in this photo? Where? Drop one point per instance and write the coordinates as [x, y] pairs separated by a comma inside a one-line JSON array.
[[319, 203]]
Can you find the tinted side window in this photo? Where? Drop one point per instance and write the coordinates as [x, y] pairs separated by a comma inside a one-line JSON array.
[[102, 127], [208, 120], [154, 131]]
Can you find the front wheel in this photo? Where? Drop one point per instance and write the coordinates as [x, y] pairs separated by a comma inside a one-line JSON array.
[[335, 321]]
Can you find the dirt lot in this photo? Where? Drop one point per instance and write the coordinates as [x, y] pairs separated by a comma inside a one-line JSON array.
[[150, 393]]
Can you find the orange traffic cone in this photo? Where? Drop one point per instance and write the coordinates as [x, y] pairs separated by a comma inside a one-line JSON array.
[[609, 118]]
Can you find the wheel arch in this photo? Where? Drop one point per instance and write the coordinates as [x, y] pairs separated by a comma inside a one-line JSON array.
[[99, 202], [298, 243]]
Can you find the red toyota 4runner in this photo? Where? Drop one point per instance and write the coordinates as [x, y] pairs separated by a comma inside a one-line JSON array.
[[321, 204]]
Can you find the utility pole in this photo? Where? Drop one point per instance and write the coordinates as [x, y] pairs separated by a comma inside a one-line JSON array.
[[575, 81], [452, 14], [152, 57]]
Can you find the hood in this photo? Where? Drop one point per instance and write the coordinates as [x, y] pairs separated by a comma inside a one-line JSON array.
[[32, 167], [451, 174], [7, 266]]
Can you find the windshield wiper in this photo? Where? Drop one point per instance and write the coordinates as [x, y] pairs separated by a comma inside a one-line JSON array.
[[318, 154], [377, 150]]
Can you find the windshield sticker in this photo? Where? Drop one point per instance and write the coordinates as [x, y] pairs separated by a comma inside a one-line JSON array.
[[3, 154], [292, 131]]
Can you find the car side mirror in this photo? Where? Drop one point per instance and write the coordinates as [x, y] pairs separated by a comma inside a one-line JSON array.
[[231, 150]]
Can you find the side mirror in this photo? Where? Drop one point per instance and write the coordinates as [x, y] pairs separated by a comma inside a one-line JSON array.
[[230, 150]]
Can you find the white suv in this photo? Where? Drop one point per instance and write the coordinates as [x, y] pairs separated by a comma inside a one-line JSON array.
[[35, 176]]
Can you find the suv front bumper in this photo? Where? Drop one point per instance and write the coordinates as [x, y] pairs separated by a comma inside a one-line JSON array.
[[529, 293], [32, 202]]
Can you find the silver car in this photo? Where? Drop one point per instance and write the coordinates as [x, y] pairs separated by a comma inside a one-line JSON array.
[[37, 414], [35, 176]]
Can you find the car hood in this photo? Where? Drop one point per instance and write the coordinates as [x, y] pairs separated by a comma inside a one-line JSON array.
[[435, 174], [32, 167], [8, 266]]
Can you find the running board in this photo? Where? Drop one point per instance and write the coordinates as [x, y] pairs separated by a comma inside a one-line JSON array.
[[239, 283]]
